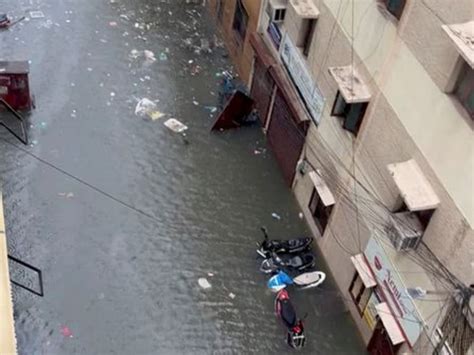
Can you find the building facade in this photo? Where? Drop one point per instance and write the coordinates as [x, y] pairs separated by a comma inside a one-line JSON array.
[[237, 20], [368, 107]]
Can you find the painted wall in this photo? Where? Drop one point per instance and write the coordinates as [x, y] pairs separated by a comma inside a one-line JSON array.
[[240, 50]]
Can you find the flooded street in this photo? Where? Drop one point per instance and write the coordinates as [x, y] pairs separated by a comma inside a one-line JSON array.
[[121, 256]]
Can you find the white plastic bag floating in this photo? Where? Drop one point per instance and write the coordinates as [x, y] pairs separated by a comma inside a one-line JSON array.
[[146, 107], [204, 283], [175, 125]]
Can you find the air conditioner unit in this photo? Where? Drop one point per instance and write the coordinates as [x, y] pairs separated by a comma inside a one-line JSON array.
[[404, 231], [276, 10]]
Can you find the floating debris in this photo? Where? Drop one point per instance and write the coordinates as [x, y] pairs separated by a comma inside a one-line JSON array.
[[175, 125], [204, 283], [66, 332], [146, 107], [276, 216]]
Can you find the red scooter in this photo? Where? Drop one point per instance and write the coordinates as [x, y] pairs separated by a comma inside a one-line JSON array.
[[295, 329]]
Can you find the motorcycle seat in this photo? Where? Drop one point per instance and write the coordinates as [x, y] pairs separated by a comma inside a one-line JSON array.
[[288, 314]]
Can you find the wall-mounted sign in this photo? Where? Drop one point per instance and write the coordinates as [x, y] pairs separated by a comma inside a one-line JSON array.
[[274, 33], [397, 297], [307, 87]]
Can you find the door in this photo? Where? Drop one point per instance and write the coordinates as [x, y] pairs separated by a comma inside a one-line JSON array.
[[261, 91], [286, 137], [380, 343]]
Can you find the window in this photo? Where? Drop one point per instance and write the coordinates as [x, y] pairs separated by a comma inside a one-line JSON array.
[[241, 19], [319, 211], [359, 293], [310, 26], [395, 7], [352, 113], [464, 89]]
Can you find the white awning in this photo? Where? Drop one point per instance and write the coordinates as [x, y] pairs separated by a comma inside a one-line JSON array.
[[350, 84], [305, 8], [462, 35], [390, 323], [414, 188], [364, 271], [322, 189]]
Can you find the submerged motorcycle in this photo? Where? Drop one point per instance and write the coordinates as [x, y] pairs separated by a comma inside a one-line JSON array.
[[292, 246], [295, 329], [304, 281], [276, 262]]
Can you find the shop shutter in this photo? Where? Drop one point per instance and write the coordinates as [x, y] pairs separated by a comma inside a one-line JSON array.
[[261, 92], [286, 137]]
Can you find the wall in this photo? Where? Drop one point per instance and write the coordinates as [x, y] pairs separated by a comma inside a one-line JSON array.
[[240, 50], [403, 121]]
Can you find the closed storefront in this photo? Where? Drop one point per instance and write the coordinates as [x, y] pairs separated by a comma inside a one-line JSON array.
[[261, 91], [285, 136]]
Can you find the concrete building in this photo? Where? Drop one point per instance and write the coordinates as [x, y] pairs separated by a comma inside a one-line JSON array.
[[237, 19], [368, 106]]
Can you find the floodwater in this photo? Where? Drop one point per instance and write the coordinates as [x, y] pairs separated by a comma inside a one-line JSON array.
[[121, 256]]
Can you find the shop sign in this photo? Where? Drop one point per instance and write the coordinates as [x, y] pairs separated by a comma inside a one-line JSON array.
[[307, 87], [274, 33], [370, 313], [388, 279]]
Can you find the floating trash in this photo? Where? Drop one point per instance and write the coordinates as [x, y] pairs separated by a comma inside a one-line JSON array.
[[204, 283], [36, 14], [276, 216], [175, 125], [66, 332], [163, 56], [149, 55], [146, 107]]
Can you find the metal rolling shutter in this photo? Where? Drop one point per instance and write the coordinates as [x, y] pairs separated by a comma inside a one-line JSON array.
[[261, 92], [286, 137]]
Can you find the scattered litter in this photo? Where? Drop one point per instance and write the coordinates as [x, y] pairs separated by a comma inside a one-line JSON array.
[[204, 283], [112, 23], [146, 107], [195, 103], [300, 215], [276, 216], [33, 143], [112, 94], [66, 194], [231, 295], [89, 69], [103, 40], [163, 56], [66, 332], [257, 152], [149, 55], [212, 109], [196, 69], [175, 125], [210, 274], [36, 14], [190, 61]]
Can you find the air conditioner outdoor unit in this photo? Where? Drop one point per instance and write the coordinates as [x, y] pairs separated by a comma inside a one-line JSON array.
[[404, 231], [276, 10]]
